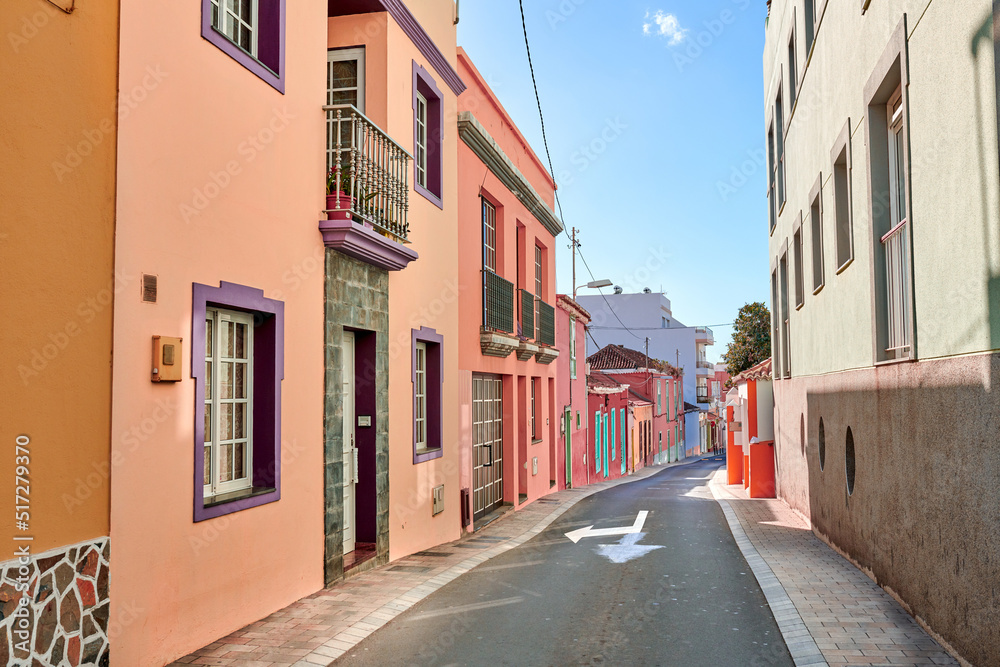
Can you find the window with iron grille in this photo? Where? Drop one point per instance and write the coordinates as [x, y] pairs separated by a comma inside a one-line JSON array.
[[538, 278], [534, 432]]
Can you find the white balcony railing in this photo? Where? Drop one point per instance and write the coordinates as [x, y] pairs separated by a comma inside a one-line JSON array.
[[364, 163], [897, 268]]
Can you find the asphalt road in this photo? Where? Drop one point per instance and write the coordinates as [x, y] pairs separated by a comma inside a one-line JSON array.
[[691, 601]]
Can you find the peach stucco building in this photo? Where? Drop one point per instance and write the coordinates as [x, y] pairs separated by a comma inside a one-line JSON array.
[[272, 451], [506, 252], [571, 393]]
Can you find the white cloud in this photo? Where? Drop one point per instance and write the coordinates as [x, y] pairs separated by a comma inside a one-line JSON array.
[[665, 25]]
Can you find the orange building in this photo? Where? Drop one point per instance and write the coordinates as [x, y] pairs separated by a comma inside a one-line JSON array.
[[57, 182], [506, 253]]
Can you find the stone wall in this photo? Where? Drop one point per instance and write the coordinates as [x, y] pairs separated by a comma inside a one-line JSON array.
[[357, 296], [66, 605]]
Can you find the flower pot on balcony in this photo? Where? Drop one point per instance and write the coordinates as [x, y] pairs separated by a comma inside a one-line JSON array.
[[339, 206]]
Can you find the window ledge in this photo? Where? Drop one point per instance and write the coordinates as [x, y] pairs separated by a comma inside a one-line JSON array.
[[891, 362], [819, 289], [843, 267], [799, 306], [535, 441], [781, 209], [233, 496], [424, 454]]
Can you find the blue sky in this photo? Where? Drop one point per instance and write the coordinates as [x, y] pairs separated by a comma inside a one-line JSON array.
[[654, 117]]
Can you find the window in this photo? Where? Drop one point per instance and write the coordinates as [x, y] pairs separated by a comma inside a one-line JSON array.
[[888, 169], [771, 178], [659, 398], [779, 119], [237, 20], [228, 387], [597, 441], [842, 199], [251, 32], [427, 377], [534, 432], [786, 366], [345, 86], [612, 415], [775, 314], [792, 71], [538, 283], [420, 396], [420, 157], [797, 259], [489, 236], [810, 11], [428, 132], [572, 348], [577, 420], [816, 231], [237, 379]]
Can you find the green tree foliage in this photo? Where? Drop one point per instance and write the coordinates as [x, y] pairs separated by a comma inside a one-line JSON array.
[[751, 342]]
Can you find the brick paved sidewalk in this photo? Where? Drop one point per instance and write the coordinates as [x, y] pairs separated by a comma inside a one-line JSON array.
[[319, 628], [828, 611]]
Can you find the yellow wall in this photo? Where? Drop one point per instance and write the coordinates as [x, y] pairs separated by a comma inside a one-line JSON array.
[[57, 185]]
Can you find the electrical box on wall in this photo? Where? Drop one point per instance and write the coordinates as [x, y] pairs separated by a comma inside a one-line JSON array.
[[534, 465], [438, 495], [166, 359]]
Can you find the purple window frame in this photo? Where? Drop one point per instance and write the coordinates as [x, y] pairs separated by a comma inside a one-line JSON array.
[[424, 83], [269, 371], [435, 389], [269, 65]]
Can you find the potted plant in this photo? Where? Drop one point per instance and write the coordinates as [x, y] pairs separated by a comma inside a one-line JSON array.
[[339, 202]]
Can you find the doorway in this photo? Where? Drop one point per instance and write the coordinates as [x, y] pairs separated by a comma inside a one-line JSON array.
[[487, 429]]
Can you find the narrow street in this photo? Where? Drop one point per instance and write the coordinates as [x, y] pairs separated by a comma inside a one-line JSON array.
[[678, 592]]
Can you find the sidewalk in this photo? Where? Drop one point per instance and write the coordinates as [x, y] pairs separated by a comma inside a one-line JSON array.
[[321, 627], [828, 611]]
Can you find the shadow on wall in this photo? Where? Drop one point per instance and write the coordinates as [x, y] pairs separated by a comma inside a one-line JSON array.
[[907, 487], [984, 45]]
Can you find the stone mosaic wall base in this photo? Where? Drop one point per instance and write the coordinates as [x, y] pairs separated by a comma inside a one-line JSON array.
[[67, 612]]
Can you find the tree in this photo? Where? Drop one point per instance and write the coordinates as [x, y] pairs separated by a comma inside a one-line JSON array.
[[751, 342]]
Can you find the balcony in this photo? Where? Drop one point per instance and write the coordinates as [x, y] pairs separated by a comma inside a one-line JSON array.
[[497, 337], [702, 396], [527, 304], [704, 335], [368, 190], [546, 333], [705, 368]]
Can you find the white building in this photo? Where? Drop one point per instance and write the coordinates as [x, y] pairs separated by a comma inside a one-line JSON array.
[[632, 319]]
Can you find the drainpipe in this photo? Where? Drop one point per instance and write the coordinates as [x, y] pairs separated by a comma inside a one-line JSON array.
[[456, 13]]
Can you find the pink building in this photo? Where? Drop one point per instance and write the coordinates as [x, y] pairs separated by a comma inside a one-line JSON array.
[[508, 442], [253, 460], [571, 392]]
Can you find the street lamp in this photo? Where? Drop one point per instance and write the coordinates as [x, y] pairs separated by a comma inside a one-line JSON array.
[[593, 284]]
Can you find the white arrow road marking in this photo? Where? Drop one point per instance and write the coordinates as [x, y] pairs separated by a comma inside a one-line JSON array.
[[590, 531], [627, 549]]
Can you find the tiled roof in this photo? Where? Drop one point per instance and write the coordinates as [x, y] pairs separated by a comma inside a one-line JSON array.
[[604, 384], [691, 408], [633, 394], [761, 371], [620, 358], [568, 304]]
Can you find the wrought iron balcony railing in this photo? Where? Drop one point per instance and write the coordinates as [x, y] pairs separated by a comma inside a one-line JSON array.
[[369, 167], [527, 300], [702, 396], [498, 303], [706, 364], [546, 323]]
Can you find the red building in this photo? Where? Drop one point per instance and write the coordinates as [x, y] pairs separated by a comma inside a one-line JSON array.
[[608, 454], [655, 384]]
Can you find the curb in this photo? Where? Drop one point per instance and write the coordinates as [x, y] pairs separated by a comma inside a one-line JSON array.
[[801, 645], [352, 636]]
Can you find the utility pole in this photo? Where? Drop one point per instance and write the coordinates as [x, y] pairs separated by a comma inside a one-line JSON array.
[[573, 244]]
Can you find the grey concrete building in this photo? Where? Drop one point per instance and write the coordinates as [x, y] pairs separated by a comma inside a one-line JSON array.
[[881, 129]]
